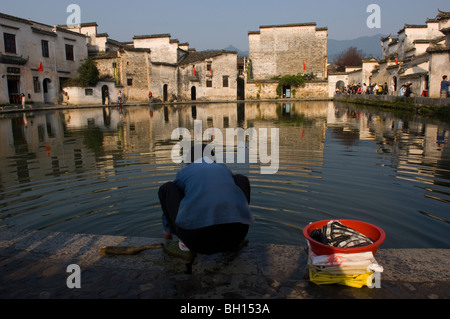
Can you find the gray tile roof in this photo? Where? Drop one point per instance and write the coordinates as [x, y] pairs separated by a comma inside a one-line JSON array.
[[193, 57]]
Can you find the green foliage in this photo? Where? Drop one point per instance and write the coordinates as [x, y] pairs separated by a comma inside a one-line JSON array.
[[71, 83], [250, 71], [310, 76], [289, 80], [279, 90], [93, 139], [292, 119], [88, 73]]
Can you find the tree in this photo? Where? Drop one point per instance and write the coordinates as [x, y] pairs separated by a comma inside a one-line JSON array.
[[352, 57], [88, 73]]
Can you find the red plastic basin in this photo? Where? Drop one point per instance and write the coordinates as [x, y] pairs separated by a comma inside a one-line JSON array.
[[371, 231]]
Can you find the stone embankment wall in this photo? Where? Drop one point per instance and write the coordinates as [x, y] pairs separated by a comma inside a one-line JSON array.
[[393, 99], [256, 90]]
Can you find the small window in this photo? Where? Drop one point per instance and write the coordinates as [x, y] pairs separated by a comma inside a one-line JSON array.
[[45, 51], [37, 84], [208, 67], [69, 52], [10, 43], [89, 92], [208, 83], [225, 81], [130, 82]]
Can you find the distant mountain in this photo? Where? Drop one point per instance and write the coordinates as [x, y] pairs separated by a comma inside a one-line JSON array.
[[239, 52], [232, 48], [371, 46]]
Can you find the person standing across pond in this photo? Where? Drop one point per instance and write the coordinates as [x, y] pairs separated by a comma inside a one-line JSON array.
[[391, 89], [206, 207], [23, 101], [408, 91], [150, 97], [402, 90], [444, 87], [120, 98], [106, 96]]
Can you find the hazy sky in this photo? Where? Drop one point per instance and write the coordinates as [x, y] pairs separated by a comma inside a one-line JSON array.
[[211, 24]]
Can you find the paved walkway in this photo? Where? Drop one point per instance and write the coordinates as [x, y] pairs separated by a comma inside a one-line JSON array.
[[33, 265]]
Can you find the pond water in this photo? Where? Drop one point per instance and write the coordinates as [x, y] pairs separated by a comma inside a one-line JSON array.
[[98, 171]]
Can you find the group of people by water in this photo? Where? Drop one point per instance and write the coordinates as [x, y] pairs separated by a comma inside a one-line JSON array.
[[406, 90], [377, 89], [107, 99]]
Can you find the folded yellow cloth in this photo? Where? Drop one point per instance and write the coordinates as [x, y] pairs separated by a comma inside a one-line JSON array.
[[355, 281]]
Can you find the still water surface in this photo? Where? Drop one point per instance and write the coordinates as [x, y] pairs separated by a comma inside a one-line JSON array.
[[98, 170]]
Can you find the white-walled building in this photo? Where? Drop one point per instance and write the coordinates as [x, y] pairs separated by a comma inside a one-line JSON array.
[[352, 76], [287, 49], [208, 75], [156, 63], [35, 59], [419, 55]]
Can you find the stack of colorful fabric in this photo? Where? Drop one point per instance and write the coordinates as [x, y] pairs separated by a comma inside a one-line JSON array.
[[349, 269]]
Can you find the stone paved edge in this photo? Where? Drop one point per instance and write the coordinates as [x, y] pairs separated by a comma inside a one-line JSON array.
[[33, 265]]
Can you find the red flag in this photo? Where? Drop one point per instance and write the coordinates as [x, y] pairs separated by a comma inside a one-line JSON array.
[[41, 68], [195, 71], [304, 65], [396, 61], [210, 70]]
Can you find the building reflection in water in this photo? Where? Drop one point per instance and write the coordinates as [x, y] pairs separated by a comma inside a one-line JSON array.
[[72, 140]]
